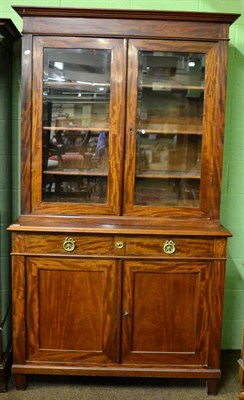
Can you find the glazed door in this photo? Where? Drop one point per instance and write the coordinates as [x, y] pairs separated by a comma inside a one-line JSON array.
[[72, 310], [169, 142], [77, 132], [166, 308]]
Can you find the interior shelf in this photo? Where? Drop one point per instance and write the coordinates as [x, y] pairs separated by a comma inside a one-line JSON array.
[[169, 175], [191, 130], [162, 86], [75, 172], [75, 129], [72, 84]]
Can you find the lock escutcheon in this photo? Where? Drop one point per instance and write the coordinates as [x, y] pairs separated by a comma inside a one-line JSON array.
[[169, 247], [119, 245]]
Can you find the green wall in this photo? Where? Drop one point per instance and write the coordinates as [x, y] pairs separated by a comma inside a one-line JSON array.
[[5, 189], [232, 205]]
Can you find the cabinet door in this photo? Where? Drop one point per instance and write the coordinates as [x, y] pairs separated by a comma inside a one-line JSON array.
[[172, 150], [77, 125], [72, 310], [166, 308]]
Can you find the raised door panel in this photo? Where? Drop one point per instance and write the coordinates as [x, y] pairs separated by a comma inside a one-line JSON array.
[[72, 310], [166, 312], [77, 125], [175, 93]]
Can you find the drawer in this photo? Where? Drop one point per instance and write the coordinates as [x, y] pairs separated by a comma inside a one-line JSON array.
[[168, 246], [139, 246], [64, 244]]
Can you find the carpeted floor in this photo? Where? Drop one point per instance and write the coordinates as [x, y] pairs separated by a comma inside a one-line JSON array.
[[83, 388]]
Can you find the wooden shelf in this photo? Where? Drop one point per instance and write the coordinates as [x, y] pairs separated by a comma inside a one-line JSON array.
[[169, 175], [75, 172], [170, 131], [73, 84], [163, 86], [178, 125], [80, 128], [57, 98]]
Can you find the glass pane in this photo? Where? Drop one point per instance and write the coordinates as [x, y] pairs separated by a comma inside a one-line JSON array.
[[76, 94], [169, 128]]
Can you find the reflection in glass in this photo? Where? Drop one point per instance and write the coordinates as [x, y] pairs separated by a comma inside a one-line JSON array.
[[169, 128], [76, 95]]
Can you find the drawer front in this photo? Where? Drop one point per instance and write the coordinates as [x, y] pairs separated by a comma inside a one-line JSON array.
[[66, 244], [168, 246], [140, 246]]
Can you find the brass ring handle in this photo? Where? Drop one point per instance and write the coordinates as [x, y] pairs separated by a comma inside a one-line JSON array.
[[119, 245], [69, 244], [169, 247]]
